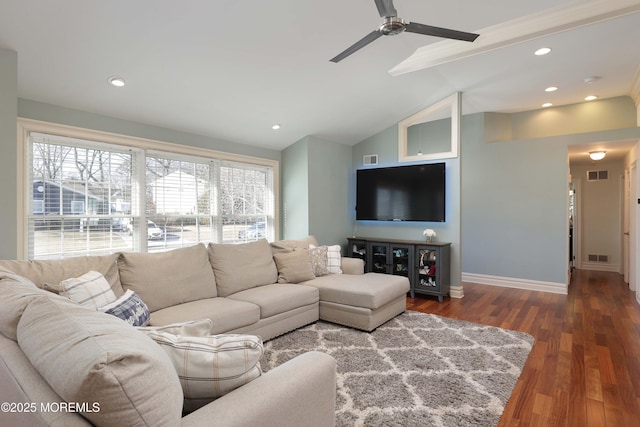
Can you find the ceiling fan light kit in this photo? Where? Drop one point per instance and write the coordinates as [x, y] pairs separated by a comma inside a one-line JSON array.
[[393, 25]]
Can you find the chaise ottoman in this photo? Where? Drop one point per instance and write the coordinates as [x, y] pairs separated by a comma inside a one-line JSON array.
[[362, 301]]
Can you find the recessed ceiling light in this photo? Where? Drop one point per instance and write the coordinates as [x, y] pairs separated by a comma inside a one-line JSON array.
[[275, 127], [547, 104], [590, 98], [542, 51], [551, 89], [116, 81]]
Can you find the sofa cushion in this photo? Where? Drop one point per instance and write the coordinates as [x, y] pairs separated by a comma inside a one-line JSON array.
[[47, 274], [292, 245], [130, 308], [226, 314], [90, 290], [15, 294], [369, 290], [278, 298], [91, 358], [294, 267], [242, 266], [163, 279], [210, 366]]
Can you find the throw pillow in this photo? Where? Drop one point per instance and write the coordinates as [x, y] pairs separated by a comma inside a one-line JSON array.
[[294, 267], [334, 259], [130, 308], [318, 257], [211, 366], [90, 290]]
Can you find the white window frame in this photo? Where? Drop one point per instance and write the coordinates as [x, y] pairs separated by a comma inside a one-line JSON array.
[[27, 126]]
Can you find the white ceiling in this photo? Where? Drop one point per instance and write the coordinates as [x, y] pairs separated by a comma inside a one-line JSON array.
[[229, 69]]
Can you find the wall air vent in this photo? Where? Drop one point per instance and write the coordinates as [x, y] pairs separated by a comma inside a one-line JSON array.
[[598, 258], [597, 175], [370, 159]]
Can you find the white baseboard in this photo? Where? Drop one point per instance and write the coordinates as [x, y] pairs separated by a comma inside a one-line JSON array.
[[512, 282], [599, 266], [456, 291]]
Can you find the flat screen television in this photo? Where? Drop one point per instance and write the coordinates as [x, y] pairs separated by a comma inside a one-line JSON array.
[[402, 193]]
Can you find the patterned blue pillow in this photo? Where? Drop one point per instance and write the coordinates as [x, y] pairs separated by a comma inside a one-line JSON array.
[[130, 308]]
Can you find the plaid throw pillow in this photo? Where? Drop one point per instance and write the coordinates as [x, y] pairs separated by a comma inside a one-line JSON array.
[[130, 308], [90, 290], [334, 259], [210, 366]]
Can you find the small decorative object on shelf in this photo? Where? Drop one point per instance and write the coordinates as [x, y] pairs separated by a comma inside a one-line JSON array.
[[430, 233]]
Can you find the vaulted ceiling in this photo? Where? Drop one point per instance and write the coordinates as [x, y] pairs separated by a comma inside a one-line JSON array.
[[230, 69]]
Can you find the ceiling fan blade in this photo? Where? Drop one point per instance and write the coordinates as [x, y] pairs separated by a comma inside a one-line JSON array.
[[357, 46], [428, 30], [385, 8]]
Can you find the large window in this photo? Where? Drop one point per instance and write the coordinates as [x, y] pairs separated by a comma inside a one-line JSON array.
[[90, 197]]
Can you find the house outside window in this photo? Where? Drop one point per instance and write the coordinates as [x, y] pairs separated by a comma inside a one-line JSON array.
[[88, 197]]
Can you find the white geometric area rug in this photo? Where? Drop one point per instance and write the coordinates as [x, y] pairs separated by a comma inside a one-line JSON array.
[[415, 370]]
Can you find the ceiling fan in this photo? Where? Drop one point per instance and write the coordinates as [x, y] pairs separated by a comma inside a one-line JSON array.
[[392, 25]]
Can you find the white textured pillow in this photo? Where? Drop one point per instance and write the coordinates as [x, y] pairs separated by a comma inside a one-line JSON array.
[[210, 366], [318, 257], [90, 290]]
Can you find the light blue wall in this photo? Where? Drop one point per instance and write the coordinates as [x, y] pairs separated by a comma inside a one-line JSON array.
[[9, 151], [515, 192], [514, 206], [67, 116], [385, 145], [295, 190], [507, 201], [315, 174]]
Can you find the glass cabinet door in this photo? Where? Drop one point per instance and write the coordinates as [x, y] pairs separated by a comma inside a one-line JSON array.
[[401, 260], [427, 274], [378, 258], [358, 249]]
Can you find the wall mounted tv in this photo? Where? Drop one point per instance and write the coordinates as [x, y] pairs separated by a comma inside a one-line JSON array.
[[402, 193]]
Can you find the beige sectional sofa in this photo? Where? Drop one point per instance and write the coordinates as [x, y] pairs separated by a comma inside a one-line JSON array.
[[253, 288]]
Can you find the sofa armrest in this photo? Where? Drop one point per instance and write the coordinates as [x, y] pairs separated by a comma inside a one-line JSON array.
[[298, 393], [352, 265]]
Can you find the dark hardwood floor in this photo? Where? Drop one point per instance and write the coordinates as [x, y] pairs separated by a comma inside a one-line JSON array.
[[584, 368]]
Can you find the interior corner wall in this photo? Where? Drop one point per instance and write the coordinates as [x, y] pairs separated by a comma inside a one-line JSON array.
[[328, 195], [315, 198], [9, 149], [295, 190]]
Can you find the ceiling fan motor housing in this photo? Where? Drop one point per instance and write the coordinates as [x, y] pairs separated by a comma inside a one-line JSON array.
[[392, 25]]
